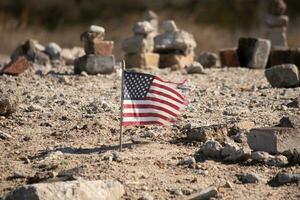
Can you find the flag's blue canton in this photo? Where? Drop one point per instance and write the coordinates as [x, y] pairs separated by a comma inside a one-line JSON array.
[[136, 85]]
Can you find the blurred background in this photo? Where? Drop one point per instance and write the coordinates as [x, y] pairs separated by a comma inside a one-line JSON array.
[[215, 23]]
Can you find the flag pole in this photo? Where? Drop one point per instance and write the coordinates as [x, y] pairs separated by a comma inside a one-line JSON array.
[[122, 96]]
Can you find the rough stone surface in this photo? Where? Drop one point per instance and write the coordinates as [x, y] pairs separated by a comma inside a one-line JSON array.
[[284, 56], [138, 44], [175, 61], [251, 178], [195, 68], [79, 190], [99, 47], [283, 75], [179, 42], [233, 153], [211, 149], [16, 67], [53, 50], [8, 104], [189, 160], [292, 121], [274, 139], [277, 161], [208, 59], [142, 60], [205, 194], [169, 26], [203, 133], [253, 52], [93, 64], [284, 178], [229, 58], [97, 29], [260, 156], [142, 28]]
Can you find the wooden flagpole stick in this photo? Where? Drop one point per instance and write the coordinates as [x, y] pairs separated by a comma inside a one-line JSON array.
[[122, 98]]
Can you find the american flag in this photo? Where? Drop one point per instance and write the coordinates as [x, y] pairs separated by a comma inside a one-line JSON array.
[[148, 100]]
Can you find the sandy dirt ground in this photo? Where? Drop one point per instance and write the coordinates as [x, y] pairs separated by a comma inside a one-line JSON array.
[[67, 127]]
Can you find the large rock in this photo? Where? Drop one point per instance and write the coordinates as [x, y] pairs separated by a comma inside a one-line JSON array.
[[93, 64], [175, 61], [142, 60], [229, 58], [16, 67], [208, 59], [142, 28], [211, 149], [201, 134], [72, 190], [283, 75], [253, 52], [138, 44], [233, 153], [53, 50], [284, 56], [178, 42], [274, 140]]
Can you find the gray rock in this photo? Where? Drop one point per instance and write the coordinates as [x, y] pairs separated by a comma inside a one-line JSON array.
[[274, 140], [93, 64], [142, 28], [53, 50], [240, 137], [211, 149], [277, 161], [253, 52], [138, 44], [251, 178], [284, 178], [294, 103], [8, 104], [203, 133], [205, 194], [179, 42], [233, 153], [81, 190], [169, 26], [195, 68], [292, 121], [260, 156], [208, 59], [189, 160], [286, 75]]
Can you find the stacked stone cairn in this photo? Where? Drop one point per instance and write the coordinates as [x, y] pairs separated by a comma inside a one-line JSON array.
[[98, 58], [139, 48], [277, 24], [176, 47]]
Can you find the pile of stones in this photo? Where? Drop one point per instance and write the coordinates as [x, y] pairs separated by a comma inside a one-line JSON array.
[[277, 24], [139, 48], [98, 56], [176, 47], [152, 18]]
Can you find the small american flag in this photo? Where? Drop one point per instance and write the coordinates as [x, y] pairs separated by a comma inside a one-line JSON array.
[[148, 100]]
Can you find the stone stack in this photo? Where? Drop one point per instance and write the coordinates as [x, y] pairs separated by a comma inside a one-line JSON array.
[[176, 47], [277, 24], [99, 57], [139, 48]]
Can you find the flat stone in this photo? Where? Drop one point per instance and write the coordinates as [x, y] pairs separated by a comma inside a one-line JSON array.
[[229, 58], [284, 178], [97, 29], [169, 26], [277, 161], [277, 21], [251, 178], [205, 194], [99, 47], [274, 140], [195, 68], [142, 28], [286, 75], [208, 59], [16, 67], [138, 44], [175, 61], [70, 190], [253, 52], [260, 156], [93, 64], [142, 60]]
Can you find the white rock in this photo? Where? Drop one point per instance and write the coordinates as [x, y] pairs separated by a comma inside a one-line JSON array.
[[97, 29], [53, 50], [142, 28], [195, 68], [211, 149], [169, 26]]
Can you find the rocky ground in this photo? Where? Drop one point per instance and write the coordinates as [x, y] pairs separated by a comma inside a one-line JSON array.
[[67, 127]]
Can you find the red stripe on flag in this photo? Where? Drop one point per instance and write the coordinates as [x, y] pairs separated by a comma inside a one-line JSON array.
[[169, 89], [139, 123], [163, 102], [148, 115], [165, 95], [149, 106]]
